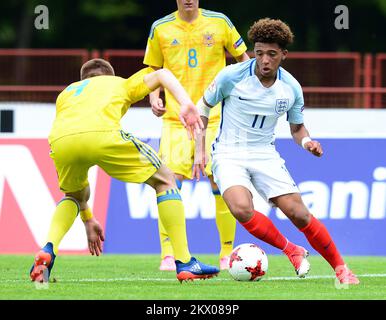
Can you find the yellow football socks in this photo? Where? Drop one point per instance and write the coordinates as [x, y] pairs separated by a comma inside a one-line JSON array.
[[64, 217], [166, 246], [172, 216], [226, 225]]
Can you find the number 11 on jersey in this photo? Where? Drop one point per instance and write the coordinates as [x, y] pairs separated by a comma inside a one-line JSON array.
[[261, 122]]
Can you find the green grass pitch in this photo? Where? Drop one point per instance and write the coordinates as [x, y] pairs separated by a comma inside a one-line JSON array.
[[136, 277]]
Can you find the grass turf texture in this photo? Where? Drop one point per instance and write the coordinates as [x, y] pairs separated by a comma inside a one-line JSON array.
[[136, 277]]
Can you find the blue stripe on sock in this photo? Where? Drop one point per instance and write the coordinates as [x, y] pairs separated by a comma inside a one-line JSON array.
[[216, 192], [169, 196], [179, 184]]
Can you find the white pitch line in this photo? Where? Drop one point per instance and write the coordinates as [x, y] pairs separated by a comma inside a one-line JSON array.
[[371, 275]]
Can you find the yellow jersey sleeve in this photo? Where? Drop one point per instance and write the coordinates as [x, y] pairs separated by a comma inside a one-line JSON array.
[[235, 44], [153, 53], [136, 87]]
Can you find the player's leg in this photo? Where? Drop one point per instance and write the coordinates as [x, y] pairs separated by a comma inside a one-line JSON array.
[[72, 174], [176, 152], [171, 214], [239, 200], [316, 234], [236, 193], [68, 208], [64, 216], [225, 222], [167, 255], [73, 156], [130, 160], [93, 229], [275, 184], [171, 211], [226, 226]]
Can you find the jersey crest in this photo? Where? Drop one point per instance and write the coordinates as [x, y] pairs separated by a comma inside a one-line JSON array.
[[281, 106], [208, 39]]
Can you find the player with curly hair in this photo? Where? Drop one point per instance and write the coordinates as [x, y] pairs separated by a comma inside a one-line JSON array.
[[255, 94]]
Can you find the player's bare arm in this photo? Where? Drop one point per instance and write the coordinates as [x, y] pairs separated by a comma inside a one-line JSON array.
[[200, 156], [302, 137], [156, 103], [189, 116]]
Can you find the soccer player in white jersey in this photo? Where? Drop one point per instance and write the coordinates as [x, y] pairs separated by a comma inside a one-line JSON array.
[[254, 95]]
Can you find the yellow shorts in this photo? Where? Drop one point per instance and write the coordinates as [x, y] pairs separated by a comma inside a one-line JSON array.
[[177, 151], [119, 154]]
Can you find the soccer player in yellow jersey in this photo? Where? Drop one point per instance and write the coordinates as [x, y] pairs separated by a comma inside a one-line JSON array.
[[192, 43], [87, 132]]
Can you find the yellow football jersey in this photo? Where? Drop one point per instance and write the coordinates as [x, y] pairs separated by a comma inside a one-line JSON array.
[[97, 103], [194, 52]]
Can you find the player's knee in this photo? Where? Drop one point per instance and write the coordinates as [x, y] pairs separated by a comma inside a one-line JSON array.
[[82, 205], [163, 179], [299, 215], [241, 210], [169, 180], [81, 197]]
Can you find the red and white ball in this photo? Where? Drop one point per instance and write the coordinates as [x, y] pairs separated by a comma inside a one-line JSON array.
[[248, 262]]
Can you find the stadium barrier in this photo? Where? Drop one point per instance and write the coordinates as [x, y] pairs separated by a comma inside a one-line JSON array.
[[329, 79], [346, 188], [380, 78], [38, 74]]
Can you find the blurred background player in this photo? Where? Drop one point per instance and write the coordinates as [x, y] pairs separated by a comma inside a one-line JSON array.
[[87, 132], [256, 94], [191, 42]]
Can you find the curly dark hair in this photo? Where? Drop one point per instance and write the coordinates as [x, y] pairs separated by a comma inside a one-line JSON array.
[[269, 30]]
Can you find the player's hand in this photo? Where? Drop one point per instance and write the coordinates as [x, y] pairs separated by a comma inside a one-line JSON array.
[[314, 147], [199, 164], [95, 236], [157, 107], [191, 120]]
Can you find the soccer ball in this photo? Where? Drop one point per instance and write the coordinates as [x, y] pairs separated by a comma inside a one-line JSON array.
[[248, 262]]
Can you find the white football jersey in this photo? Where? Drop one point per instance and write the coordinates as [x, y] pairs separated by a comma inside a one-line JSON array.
[[250, 111]]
